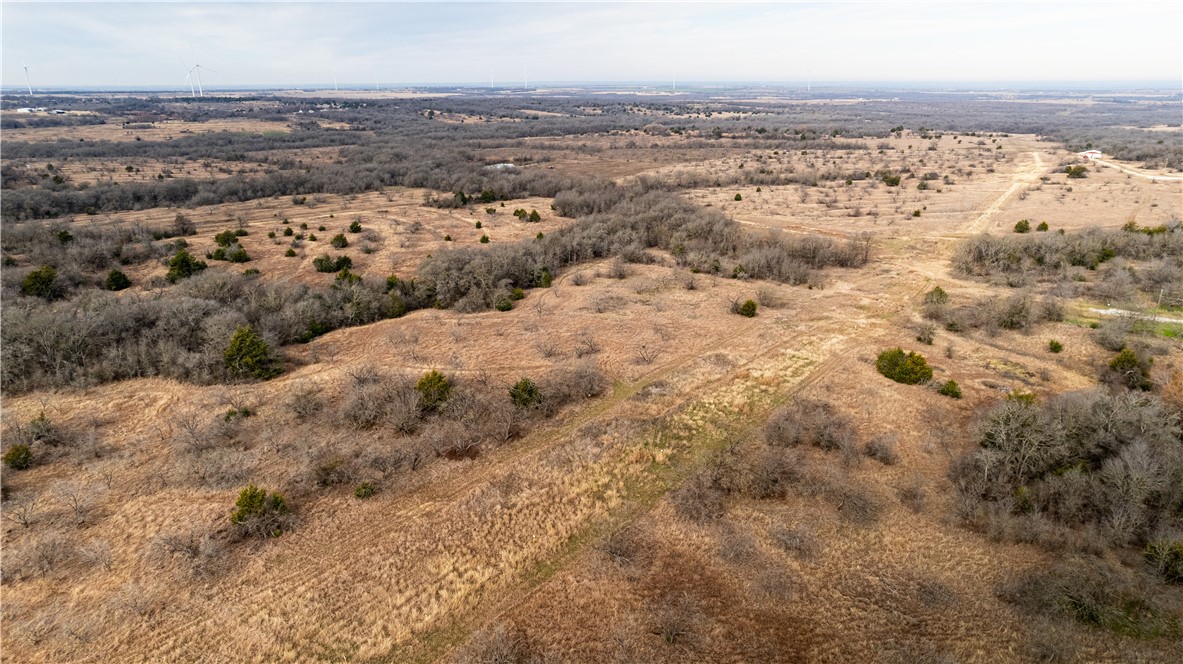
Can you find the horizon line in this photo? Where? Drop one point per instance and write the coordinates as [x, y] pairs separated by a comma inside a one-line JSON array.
[[689, 83]]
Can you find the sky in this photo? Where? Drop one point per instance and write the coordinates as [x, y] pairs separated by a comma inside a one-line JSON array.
[[289, 43]]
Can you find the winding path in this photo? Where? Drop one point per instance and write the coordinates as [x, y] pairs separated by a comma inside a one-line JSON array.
[[1138, 173]]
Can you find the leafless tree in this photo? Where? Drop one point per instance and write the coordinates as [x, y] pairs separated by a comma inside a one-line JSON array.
[[675, 618], [98, 553], [196, 547], [137, 599], [77, 496], [587, 344], [646, 354], [23, 508], [498, 644], [546, 347], [37, 629], [48, 550]]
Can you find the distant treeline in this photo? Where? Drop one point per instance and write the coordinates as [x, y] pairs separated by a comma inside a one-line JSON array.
[[397, 143]]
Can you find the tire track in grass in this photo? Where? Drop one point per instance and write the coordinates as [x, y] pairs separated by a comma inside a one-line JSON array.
[[317, 546]]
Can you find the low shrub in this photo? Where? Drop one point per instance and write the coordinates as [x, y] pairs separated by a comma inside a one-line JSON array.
[[324, 263], [249, 356], [365, 489], [226, 238], [856, 504], [18, 457], [1165, 557], [1023, 226], [907, 368], [1055, 346], [182, 266], [116, 281], [925, 333], [258, 514], [747, 309], [1096, 593], [525, 394], [950, 389], [936, 296], [42, 283], [698, 500], [434, 389], [1131, 370], [882, 449], [371, 399], [810, 422]]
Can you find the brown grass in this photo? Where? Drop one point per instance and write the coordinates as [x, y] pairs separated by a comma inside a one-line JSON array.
[[510, 542]]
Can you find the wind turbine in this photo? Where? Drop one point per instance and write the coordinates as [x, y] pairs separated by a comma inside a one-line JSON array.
[[27, 81], [525, 79], [197, 69]]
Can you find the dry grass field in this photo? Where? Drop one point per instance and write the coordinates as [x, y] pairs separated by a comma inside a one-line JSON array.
[[155, 131], [568, 541]]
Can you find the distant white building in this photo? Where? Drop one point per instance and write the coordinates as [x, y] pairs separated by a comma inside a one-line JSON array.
[[1090, 155]]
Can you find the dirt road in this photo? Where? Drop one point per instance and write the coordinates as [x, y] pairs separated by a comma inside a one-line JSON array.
[[1023, 178], [1138, 173]]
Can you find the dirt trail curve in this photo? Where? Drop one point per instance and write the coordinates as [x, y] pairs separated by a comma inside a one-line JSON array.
[[1022, 178], [1138, 173]]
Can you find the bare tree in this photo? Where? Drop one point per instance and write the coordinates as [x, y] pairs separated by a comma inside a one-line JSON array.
[[136, 598], [37, 629], [49, 550], [546, 347], [23, 509], [79, 497], [587, 344], [675, 618], [197, 548], [646, 354], [98, 552]]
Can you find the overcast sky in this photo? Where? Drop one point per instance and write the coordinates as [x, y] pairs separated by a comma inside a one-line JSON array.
[[424, 43]]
